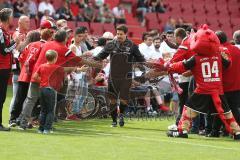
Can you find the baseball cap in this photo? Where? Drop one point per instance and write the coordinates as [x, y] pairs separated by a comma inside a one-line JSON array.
[[108, 35], [47, 24]]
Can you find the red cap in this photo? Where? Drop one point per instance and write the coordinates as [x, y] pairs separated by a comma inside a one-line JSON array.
[[47, 24]]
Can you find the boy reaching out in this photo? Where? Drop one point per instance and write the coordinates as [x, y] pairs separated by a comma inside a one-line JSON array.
[[48, 93]]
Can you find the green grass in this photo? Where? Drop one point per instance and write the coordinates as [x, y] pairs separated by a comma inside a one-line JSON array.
[[95, 140]]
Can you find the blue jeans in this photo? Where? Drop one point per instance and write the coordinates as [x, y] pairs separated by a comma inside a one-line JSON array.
[[47, 101]]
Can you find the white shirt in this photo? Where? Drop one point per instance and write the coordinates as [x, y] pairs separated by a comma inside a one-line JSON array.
[[118, 12], [164, 48], [106, 69], [78, 49], [147, 51], [96, 50], [46, 6], [77, 76], [156, 53], [32, 7], [237, 45]]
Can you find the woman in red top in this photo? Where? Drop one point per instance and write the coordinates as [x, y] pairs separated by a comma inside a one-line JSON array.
[[6, 47], [24, 49]]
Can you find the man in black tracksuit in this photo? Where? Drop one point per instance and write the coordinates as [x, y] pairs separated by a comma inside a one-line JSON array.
[[123, 52]]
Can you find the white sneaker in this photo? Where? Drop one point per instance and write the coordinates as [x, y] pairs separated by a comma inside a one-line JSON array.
[[173, 127]]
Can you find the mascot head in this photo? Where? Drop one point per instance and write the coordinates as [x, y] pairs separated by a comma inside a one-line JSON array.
[[204, 41]]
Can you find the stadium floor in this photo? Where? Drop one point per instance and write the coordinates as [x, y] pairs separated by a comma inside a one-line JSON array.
[[96, 140]]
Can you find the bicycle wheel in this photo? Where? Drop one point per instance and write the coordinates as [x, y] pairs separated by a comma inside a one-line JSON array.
[[89, 107]]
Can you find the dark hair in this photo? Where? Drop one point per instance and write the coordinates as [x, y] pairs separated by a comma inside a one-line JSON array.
[[169, 32], [60, 35], [154, 32], [51, 55], [32, 36], [180, 32], [101, 41], [80, 30], [122, 27], [156, 38], [5, 13], [144, 35], [221, 36]]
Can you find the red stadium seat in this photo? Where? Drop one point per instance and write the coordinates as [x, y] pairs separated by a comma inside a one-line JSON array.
[[85, 24], [152, 25], [33, 24], [163, 18], [151, 17], [130, 19], [136, 31], [109, 27], [72, 24], [96, 28]]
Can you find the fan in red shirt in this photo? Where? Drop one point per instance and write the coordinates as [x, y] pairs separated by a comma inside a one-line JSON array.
[[23, 81], [58, 45], [206, 67], [48, 94], [6, 48], [27, 60], [231, 85]]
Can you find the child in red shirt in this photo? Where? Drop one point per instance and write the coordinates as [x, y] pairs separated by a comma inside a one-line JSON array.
[[48, 93]]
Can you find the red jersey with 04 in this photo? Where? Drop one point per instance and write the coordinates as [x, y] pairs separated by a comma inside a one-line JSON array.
[[208, 74]]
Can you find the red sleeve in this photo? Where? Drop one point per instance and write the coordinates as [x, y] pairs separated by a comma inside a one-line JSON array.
[[179, 55], [177, 67], [72, 62], [23, 56]]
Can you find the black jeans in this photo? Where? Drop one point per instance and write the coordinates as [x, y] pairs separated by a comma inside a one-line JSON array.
[[19, 100], [120, 89], [4, 77], [48, 99], [182, 99]]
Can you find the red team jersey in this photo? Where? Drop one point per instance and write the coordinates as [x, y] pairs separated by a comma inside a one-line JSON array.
[[45, 71], [183, 51], [6, 60], [231, 75], [207, 72], [29, 55], [64, 54]]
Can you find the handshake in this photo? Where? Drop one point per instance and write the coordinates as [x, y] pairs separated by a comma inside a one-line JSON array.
[[158, 64]]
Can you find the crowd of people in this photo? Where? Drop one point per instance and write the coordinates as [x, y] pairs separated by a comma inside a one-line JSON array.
[[75, 10], [41, 59]]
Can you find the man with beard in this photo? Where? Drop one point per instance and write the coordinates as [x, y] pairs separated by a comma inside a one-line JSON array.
[[156, 54], [123, 52]]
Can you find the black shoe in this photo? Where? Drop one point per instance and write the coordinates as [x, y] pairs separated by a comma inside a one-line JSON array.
[[121, 120], [213, 134], [18, 122], [12, 123], [236, 136], [177, 134], [114, 124], [2, 128]]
